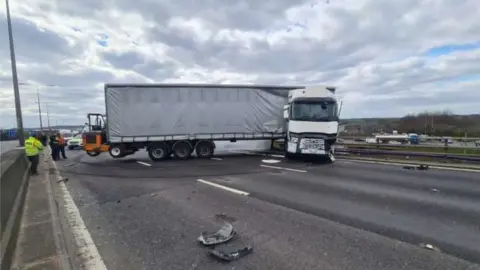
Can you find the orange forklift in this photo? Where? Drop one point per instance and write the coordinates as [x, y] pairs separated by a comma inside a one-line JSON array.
[[95, 139]]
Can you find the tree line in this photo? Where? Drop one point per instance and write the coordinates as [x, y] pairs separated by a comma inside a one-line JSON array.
[[443, 123]]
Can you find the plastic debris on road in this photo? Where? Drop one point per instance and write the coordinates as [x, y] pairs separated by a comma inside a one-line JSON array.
[[231, 252], [226, 252], [331, 156], [223, 235]]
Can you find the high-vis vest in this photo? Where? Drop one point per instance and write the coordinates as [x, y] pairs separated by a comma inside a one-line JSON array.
[[33, 146]]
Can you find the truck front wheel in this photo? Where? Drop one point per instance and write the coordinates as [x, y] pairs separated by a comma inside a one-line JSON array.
[[159, 151], [182, 150], [116, 151]]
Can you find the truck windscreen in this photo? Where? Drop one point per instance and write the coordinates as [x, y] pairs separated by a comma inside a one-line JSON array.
[[314, 111]]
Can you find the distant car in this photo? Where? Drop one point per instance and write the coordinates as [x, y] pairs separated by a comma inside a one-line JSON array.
[[477, 143], [75, 143]]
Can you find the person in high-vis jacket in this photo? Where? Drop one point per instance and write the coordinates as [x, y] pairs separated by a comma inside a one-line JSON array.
[[33, 147]]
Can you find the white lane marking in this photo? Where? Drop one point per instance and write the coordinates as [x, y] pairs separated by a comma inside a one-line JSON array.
[[408, 164], [236, 191], [216, 158], [283, 168], [87, 250], [277, 156], [144, 163], [271, 161]]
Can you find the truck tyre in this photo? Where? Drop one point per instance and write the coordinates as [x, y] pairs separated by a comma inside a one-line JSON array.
[[204, 149], [116, 151], [182, 150], [159, 151]]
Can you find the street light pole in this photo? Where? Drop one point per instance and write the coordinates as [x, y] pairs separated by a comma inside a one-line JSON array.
[[39, 109], [18, 108], [48, 115]]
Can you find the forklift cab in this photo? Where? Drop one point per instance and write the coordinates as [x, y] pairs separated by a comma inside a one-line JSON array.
[[95, 138]]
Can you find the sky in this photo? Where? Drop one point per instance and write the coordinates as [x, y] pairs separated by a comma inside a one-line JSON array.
[[387, 58]]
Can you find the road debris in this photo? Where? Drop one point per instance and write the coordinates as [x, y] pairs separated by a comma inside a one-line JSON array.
[[70, 164], [421, 167], [231, 252], [225, 217], [430, 247], [331, 156], [223, 235], [65, 179]]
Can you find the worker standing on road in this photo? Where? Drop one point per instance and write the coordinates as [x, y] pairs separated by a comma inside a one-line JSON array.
[[32, 149], [61, 145], [54, 147], [44, 139]]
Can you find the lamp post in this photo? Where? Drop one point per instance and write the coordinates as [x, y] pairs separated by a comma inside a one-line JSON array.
[[38, 103], [16, 92]]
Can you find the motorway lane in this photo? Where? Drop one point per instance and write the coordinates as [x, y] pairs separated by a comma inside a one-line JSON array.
[[147, 216]]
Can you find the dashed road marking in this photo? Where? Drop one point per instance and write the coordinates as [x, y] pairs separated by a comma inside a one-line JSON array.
[[216, 158], [236, 191], [278, 156], [87, 250], [283, 168], [144, 163]]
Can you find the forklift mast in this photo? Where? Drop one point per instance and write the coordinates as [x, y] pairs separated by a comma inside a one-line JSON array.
[[96, 122]]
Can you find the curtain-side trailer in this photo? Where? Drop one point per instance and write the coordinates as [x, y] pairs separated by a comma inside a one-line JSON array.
[[181, 119]]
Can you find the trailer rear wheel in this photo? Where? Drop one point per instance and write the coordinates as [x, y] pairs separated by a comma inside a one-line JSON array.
[[159, 151], [182, 150], [204, 149]]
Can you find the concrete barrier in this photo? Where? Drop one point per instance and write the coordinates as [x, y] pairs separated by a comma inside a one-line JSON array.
[[14, 176]]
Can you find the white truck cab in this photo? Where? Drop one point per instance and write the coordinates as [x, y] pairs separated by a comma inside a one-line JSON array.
[[312, 116]]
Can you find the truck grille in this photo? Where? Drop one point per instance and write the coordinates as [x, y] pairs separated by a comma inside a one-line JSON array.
[[310, 143]]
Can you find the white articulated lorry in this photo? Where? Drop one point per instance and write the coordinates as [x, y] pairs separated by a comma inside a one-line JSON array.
[[181, 119]]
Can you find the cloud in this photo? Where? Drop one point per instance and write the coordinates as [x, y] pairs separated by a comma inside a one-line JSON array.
[[388, 58]]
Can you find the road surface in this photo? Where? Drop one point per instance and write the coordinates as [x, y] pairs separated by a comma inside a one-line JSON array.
[[298, 215]]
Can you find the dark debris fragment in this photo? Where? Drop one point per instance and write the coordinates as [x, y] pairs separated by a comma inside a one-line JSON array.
[[421, 167], [231, 252]]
